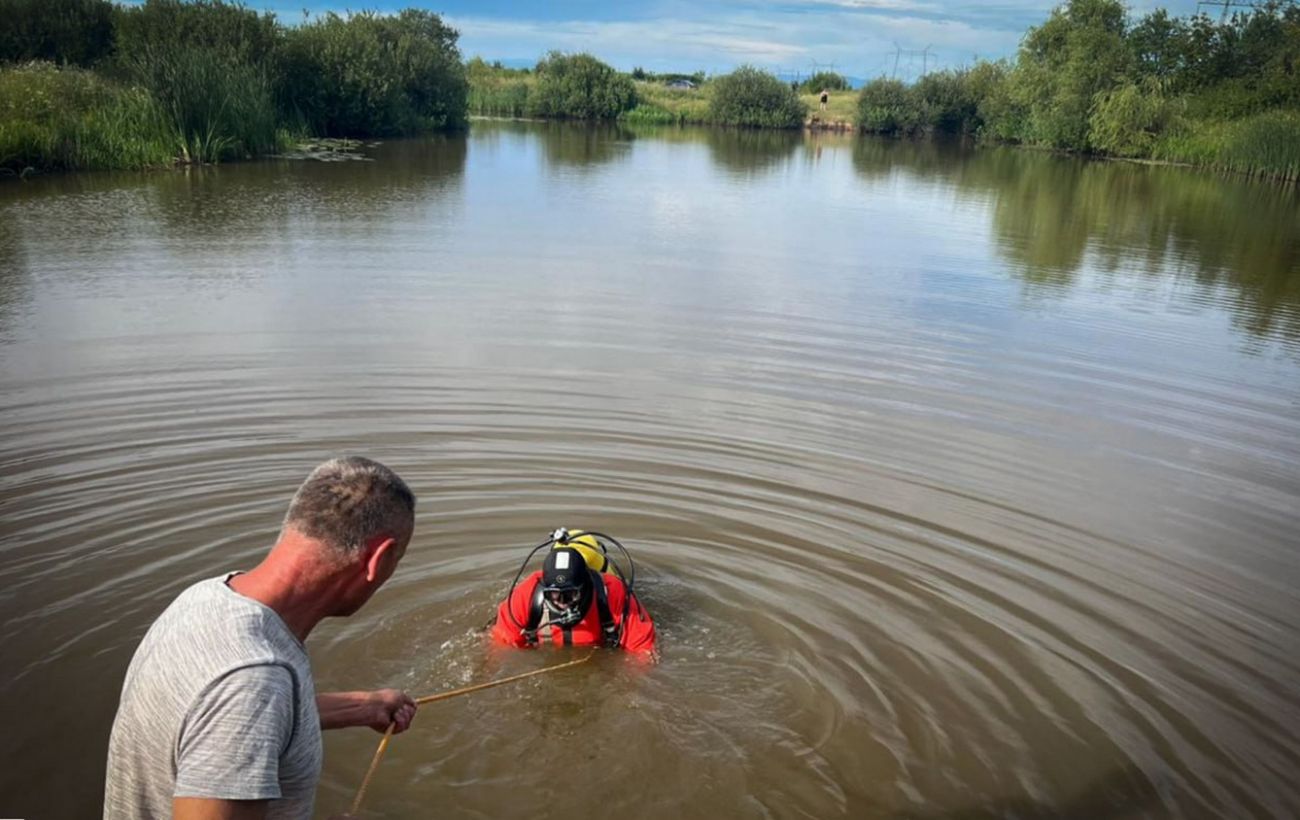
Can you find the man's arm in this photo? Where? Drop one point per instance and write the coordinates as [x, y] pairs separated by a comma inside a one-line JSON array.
[[377, 709], [207, 808]]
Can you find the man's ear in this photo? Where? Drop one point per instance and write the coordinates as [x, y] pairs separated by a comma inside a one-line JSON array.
[[376, 552]]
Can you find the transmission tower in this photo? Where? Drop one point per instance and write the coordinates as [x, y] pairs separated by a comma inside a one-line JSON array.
[[1225, 5], [912, 53]]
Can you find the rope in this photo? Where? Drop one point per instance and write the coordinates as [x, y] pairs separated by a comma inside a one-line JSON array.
[[374, 764], [388, 735]]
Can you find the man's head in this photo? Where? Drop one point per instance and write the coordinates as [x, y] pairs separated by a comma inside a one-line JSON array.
[[566, 586], [362, 514]]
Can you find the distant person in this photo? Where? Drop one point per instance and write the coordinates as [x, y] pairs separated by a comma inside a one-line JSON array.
[[574, 600], [219, 717], [825, 98]]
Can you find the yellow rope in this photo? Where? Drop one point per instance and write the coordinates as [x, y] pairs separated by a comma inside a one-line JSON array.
[[388, 735], [374, 764]]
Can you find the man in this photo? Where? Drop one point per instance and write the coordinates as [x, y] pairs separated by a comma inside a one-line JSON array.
[[219, 717], [567, 603], [825, 98]]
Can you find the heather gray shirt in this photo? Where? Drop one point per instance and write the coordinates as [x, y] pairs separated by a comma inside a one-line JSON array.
[[218, 702]]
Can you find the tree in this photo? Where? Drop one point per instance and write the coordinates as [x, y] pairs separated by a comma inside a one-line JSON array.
[[1064, 63]]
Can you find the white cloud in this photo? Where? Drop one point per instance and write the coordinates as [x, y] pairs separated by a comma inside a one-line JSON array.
[[691, 42]]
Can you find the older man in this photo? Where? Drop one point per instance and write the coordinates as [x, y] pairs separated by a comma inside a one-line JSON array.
[[219, 717]]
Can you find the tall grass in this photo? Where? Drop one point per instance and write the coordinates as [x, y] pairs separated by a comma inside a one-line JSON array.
[[54, 118], [1265, 145], [660, 104]]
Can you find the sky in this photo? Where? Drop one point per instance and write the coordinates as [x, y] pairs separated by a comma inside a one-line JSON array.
[[862, 38]]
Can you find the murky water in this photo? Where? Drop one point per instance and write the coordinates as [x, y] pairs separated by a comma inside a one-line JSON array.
[[962, 484]]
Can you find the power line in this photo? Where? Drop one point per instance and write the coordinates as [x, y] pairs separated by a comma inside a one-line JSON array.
[[1225, 5]]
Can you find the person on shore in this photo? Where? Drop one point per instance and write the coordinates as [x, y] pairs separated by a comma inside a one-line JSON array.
[[825, 98], [219, 717], [574, 601]]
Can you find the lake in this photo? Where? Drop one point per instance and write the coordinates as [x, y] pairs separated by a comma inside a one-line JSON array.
[[961, 482]]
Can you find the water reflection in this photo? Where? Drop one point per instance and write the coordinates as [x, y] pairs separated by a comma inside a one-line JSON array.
[[741, 151], [582, 147], [1055, 217]]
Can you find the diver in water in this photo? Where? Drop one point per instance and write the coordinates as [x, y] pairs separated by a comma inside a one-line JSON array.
[[580, 597]]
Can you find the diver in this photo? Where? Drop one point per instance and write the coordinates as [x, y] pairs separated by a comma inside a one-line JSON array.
[[580, 597]]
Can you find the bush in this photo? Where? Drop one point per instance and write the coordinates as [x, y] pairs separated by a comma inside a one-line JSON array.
[[578, 86], [77, 32], [166, 27], [370, 74], [748, 96], [946, 102], [886, 107], [828, 80], [1128, 120]]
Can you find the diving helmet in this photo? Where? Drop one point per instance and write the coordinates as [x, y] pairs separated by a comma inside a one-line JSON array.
[[566, 586]]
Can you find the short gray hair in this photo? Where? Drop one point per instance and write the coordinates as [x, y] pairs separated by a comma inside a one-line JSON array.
[[345, 502]]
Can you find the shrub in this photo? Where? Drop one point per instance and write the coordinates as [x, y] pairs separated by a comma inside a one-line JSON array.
[[164, 27], [886, 107], [77, 32], [370, 74], [828, 80], [749, 96], [578, 86], [1128, 120], [945, 102]]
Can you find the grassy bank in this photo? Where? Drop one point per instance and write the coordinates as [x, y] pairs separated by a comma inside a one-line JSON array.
[[579, 86], [92, 84]]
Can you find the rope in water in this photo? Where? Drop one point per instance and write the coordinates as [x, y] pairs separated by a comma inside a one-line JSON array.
[[388, 735]]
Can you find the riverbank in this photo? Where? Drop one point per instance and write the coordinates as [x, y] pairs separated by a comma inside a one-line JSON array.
[[173, 83]]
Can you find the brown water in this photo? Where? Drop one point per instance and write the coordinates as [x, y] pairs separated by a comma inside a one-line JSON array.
[[962, 484]]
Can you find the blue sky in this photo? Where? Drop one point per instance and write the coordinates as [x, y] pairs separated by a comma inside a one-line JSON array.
[[859, 36]]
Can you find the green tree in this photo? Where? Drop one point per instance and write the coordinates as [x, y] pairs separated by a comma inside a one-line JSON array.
[[1063, 64]]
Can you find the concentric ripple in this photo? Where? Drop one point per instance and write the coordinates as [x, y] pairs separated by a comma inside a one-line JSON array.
[[938, 516]]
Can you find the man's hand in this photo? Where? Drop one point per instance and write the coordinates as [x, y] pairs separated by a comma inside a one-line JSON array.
[[377, 709], [393, 706]]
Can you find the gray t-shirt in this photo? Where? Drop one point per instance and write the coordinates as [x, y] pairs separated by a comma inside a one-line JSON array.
[[218, 702]]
